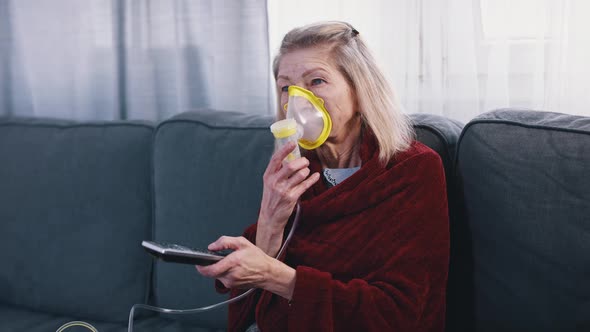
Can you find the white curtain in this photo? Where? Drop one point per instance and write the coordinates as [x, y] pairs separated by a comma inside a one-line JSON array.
[[460, 58], [141, 59]]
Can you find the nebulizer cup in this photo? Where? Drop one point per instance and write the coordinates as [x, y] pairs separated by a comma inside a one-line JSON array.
[[285, 131]]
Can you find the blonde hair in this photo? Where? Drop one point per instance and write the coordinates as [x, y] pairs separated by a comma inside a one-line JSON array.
[[378, 106]]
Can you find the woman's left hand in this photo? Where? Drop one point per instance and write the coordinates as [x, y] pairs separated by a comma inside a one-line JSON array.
[[249, 267]]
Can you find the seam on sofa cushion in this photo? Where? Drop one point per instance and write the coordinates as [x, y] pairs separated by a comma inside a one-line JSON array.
[[202, 123], [75, 125], [528, 126]]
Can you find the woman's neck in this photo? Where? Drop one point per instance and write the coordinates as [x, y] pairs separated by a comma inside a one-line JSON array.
[[341, 154]]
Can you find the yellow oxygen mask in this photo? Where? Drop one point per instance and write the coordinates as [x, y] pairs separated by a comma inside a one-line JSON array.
[[313, 121]]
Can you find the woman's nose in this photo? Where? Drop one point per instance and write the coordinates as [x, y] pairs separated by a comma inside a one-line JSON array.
[[302, 85]]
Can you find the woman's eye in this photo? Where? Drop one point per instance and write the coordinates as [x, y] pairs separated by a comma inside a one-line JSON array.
[[317, 81], [285, 88]]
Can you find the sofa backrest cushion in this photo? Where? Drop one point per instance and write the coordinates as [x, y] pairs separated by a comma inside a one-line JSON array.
[[75, 204], [526, 184], [208, 169], [440, 134]]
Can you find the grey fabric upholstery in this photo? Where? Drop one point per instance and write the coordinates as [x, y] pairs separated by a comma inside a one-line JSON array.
[[440, 134], [76, 200], [75, 203], [526, 188], [208, 170], [18, 319]]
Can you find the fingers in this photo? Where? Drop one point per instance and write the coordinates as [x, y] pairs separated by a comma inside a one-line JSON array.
[[298, 177], [204, 270], [284, 183], [228, 242], [217, 269], [277, 159], [293, 173], [289, 169], [303, 186], [221, 267]]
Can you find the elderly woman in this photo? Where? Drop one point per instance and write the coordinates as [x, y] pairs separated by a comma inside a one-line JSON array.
[[371, 250]]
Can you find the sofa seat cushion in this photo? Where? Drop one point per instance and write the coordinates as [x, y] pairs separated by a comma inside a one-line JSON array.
[[19, 319], [75, 204], [526, 182]]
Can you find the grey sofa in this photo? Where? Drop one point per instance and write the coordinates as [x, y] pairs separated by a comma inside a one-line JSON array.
[[77, 199], [524, 186]]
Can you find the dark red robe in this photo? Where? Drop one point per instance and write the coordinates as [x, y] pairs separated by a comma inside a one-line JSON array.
[[371, 253]]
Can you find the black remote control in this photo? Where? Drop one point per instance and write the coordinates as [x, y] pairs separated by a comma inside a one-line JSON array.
[[175, 253]]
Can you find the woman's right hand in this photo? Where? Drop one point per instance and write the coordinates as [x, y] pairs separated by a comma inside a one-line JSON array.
[[284, 183]]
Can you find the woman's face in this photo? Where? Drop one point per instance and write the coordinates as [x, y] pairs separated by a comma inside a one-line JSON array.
[[314, 70]]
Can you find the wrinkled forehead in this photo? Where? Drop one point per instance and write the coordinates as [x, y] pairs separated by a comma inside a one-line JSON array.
[[296, 62]]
